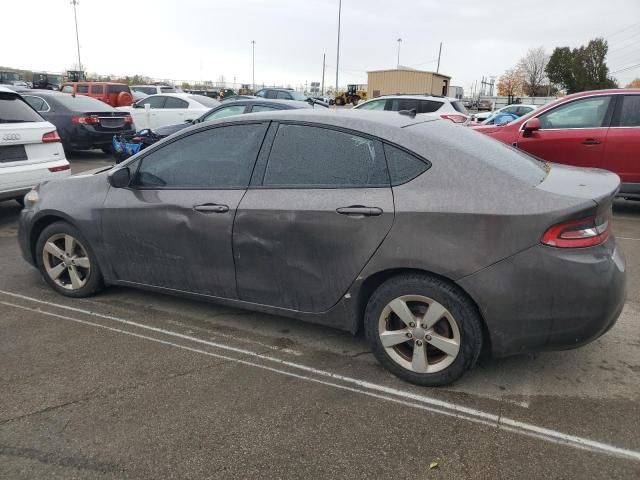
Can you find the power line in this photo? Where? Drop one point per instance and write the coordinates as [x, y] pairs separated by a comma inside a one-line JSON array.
[[622, 30], [625, 69]]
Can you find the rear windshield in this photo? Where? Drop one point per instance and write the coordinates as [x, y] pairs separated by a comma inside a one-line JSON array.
[[493, 153], [14, 109], [81, 103], [167, 89], [206, 101], [459, 107], [117, 88], [147, 90]]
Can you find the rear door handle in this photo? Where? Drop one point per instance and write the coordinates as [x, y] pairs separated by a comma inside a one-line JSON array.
[[211, 208], [359, 210], [591, 141]]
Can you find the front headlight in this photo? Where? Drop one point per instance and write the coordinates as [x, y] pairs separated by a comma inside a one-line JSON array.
[[31, 198]]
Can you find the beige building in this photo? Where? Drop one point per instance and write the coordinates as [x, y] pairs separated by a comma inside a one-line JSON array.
[[406, 80]]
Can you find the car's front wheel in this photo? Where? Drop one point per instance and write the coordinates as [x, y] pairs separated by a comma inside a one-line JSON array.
[[67, 262], [423, 329]]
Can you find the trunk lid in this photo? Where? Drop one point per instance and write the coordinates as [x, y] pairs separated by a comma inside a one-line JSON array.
[[21, 143], [594, 184]]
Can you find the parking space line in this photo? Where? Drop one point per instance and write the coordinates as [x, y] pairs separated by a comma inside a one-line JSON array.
[[361, 386], [629, 238]]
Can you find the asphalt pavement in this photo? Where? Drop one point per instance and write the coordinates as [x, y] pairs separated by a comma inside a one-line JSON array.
[[132, 384]]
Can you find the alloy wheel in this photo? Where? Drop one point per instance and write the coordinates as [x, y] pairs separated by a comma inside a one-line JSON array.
[[66, 261], [419, 334]]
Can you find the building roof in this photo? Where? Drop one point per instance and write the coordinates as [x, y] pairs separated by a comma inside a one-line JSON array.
[[408, 69]]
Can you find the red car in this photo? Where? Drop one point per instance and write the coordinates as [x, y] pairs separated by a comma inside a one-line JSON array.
[[114, 94], [598, 129]]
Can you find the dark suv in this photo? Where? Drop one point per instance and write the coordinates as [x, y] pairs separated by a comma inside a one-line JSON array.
[[281, 94]]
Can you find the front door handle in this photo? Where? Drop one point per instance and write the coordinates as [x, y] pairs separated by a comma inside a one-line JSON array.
[[211, 208], [359, 210], [591, 141]]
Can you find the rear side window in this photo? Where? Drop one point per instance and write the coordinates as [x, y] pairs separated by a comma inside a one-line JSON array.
[[630, 114], [156, 101], [216, 159], [117, 88], [459, 107], [37, 103], [421, 106], [97, 89], [167, 89], [263, 108], [67, 89], [283, 96], [173, 102], [82, 88], [271, 94], [403, 167], [314, 157], [80, 103], [15, 110]]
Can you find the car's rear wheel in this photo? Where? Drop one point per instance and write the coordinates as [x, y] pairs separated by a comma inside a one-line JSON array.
[[67, 262], [423, 329]]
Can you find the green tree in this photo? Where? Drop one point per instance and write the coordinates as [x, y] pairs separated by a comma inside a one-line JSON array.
[[582, 68]]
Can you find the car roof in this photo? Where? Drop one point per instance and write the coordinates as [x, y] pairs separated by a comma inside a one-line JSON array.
[[4, 89], [416, 96], [46, 93], [282, 89], [94, 83], [267, 101]]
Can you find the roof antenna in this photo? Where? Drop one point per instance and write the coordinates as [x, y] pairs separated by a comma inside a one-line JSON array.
[[410, 113]]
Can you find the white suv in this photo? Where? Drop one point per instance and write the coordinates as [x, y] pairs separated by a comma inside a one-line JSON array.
[[30, 148], [448, 108]]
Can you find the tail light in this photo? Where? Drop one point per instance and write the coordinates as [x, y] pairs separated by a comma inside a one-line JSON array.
[[454, 118], [60, 168], [586, 232], [51, 137], [128, 119], [90, 120]]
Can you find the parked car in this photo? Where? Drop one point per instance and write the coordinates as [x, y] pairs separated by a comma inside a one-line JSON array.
[[169, 109], [500, 118], [484, 105], [281, 94], [125, 145], [599, 128], [30, 148], [82, 122], [153, 89], [138, 95], [516, 109], [448, 108], [356, 220], [114, 94], [47, 81]]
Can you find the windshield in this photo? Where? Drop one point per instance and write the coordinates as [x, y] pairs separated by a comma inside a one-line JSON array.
[[9, 77], [298, 95], [82, 103], [206, 101], [13, 109]]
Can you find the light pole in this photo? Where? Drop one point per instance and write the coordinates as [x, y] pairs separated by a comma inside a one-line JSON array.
[[399, 42], [338, 49], [75, 17], [253, 64]]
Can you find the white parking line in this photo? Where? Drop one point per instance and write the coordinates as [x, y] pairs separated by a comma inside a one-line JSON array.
[[629, 238], [387, 393]]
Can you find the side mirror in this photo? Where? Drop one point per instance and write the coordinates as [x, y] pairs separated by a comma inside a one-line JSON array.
[[530, 127], [120, 178]]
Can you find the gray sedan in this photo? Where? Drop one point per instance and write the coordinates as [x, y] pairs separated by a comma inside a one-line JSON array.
[[436, 241]]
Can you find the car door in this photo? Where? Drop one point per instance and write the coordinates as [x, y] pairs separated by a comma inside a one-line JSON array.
[[143, 118], [172, 226], [174, 111], [622, 150], [573, 133], [316, 211]]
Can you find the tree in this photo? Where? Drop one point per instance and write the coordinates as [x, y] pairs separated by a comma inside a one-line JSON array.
[[634, 84], [582, 68], [510, 83], [532, 66]]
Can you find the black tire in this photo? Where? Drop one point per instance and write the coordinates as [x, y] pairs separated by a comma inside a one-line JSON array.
[[94, 280], [456, 302]]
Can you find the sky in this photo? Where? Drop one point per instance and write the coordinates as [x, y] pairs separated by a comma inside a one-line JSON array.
[[190, 40]]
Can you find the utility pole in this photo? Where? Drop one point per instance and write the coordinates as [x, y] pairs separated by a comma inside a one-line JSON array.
[[324, 58], [439, 54], [253, 65], [75, 17], [399, 42], [338, 49]]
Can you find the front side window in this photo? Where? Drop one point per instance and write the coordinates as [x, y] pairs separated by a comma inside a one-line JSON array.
[[585, 113], [173, 102], [314, 157], [261, 94], [155, 101], [216, 159], [630, 113], [283, 96], [67, 89], [271, 94], [372, 105], [226, 112]]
